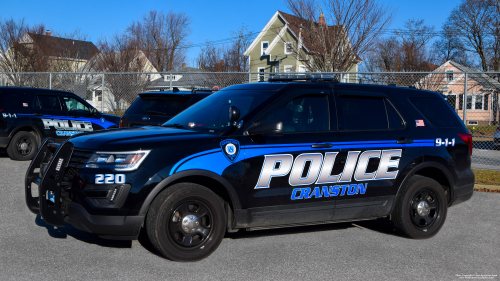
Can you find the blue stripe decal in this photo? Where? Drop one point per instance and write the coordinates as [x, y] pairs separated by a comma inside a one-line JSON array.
[[212, 160], [106, 124]]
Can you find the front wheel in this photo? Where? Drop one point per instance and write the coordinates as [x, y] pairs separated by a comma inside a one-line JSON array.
[[186, 222], [421, 208]]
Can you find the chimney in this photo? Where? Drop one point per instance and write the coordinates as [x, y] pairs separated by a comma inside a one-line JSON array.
[[184, 65], [47, 32], [322, 20]]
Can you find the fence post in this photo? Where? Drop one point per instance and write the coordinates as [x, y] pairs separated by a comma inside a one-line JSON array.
[[465, 100], [50, 81], [249, 77], [170, 78], [102, 94]]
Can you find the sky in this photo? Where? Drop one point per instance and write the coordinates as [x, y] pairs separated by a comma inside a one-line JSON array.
[[211, 20]]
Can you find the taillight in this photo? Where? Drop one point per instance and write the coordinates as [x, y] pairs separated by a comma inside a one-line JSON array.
[[498, 129], [121, 122], [467, 138]]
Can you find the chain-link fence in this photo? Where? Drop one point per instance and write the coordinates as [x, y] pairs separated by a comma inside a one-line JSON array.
[[473, 95]]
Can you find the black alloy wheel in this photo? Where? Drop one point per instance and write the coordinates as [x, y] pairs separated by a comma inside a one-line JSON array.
[[191, 224], [421, 208], [23, 146], [186, 222]]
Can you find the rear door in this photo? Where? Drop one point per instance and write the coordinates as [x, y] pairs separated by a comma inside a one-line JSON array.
[[14, 112], [286, 178], [49, 116], [378, 142]]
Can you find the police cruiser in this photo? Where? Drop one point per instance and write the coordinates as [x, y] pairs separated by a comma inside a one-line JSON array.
[[29, 115], [296, 150]]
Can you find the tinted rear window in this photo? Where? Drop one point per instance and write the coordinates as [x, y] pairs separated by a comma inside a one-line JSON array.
[[10, 101], [364, 113], [437, 111], [159, 105]]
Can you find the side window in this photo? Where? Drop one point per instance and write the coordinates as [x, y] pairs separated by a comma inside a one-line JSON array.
[[395, 121], [47, 102], [73, 104], [363, 113], [308, 113]]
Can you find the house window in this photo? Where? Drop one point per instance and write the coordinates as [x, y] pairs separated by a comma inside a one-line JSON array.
[[288, 48], [263, 46], [471, 122], [261, 76], [302, 68], [475, 101], [98, 96], [450, 75], [288, 68]]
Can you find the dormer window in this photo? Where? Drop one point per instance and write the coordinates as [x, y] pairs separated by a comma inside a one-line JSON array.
[[450, 75], [264, 45]]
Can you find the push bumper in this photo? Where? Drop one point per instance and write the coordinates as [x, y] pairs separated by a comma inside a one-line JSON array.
[[53, 203]]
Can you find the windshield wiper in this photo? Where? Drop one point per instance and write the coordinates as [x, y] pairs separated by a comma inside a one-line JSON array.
[[157, 113]]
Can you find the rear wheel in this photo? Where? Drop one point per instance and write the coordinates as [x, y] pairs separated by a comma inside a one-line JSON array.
[[186, 222], [421, 208], [23, 146]]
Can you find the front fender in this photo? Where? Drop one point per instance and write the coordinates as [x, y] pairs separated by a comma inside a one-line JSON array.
[[186, 174]]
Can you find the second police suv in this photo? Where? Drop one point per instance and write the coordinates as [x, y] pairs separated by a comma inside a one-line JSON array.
[[294, 151]]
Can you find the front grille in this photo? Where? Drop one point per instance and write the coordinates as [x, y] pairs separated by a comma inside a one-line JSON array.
[[78, 159]]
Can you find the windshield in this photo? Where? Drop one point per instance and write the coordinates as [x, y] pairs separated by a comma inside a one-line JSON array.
[[212, 113]]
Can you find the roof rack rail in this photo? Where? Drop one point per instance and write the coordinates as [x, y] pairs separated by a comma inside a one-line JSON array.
[[303, 77]]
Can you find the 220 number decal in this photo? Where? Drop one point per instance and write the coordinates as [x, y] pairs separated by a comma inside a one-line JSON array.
[[109, 178]]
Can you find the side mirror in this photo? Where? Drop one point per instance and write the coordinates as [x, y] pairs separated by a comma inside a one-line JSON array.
[[234, 114], [271, 127]]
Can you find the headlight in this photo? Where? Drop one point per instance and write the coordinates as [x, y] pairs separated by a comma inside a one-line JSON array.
[[118, 161]]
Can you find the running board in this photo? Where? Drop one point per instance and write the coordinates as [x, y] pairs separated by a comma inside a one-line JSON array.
[[304, 224]]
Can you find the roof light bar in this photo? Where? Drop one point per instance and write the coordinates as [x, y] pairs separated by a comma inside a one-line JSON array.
[[304, 77]]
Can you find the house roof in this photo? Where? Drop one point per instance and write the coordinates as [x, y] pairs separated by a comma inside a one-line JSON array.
[[293, 24], [77, 49], [191, 77], [480, 77]]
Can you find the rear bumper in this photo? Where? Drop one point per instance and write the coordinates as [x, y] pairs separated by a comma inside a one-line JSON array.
[[462, 193], [4, 141]]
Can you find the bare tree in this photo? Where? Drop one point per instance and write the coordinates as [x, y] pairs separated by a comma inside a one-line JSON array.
[[346, 31], [162, 37], [226, 57], [118, 56], [470, 20]]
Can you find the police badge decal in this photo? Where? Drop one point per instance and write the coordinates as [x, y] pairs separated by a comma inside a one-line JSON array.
[[230, 149]]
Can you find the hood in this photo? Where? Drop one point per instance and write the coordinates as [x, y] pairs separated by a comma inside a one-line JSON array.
[[136, 138]]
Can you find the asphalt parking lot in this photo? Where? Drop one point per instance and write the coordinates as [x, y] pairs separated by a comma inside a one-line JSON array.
[[467, 245]]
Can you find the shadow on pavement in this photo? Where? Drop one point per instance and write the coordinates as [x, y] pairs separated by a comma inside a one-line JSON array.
[[69, 230]]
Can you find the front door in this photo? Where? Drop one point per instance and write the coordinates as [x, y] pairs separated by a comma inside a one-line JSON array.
[[84, 118], [286, 175]]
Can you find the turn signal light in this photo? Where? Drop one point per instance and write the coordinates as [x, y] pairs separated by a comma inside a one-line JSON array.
[[467, 138]]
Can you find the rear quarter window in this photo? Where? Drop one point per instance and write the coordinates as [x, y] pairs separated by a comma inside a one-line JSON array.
[[437, 111]]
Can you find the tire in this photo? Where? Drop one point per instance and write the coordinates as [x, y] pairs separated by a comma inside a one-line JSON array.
[[421, 208], [186, 222], [23, 146]]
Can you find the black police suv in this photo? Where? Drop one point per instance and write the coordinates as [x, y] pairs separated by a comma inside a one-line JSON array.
[[156, 108], [29, 115], [295, 151]]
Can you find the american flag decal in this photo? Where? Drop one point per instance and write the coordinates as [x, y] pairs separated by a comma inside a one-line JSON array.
[[420, 123]]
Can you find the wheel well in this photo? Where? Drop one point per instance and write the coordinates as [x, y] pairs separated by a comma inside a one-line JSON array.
[[28, 129], [439, 176], [209, 183]]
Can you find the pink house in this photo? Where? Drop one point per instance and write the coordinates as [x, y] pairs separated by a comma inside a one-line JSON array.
[[482, 103]]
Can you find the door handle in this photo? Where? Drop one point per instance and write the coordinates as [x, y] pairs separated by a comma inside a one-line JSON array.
[[75, 116], [37, 114], [322, 145], [404, 141]]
